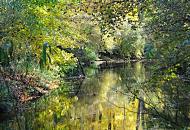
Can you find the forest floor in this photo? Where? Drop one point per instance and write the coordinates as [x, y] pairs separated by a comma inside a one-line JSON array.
[[25, 88]]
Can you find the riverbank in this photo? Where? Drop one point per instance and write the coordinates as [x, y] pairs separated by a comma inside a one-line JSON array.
[[29, 87], [25, 88]]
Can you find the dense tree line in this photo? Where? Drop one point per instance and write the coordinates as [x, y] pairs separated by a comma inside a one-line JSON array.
[[58, 37]]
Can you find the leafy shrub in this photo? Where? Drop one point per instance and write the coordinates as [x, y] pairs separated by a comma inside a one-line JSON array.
[[90, 54], [149, 51]]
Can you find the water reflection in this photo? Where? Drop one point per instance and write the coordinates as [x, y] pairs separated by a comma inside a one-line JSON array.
[[100, 106], [111, 99]]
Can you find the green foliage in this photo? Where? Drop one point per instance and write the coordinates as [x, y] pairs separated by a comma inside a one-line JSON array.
[[71, 24], [68, 70], [149, 51], [90, 54], [85, 28], [111, 14], [3, 57], [167, 24], [28, 24], [131, 42], [119, 27]]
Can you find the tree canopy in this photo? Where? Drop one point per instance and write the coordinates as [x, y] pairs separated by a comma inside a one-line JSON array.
[[43, 42]]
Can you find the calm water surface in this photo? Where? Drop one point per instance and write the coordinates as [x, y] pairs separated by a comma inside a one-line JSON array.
[[110, 99]]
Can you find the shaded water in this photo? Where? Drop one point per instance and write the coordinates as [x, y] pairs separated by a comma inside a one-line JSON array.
[[110, 99]]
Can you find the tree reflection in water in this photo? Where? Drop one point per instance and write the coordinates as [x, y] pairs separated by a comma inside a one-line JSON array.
[[114, 99]]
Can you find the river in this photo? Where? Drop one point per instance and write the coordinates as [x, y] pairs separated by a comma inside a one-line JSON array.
[[127, 97]]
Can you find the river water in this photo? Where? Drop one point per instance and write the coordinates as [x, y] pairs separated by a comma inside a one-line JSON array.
[[127, 97]]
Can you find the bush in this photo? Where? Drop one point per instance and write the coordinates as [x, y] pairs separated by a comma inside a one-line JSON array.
[[90, 54]]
